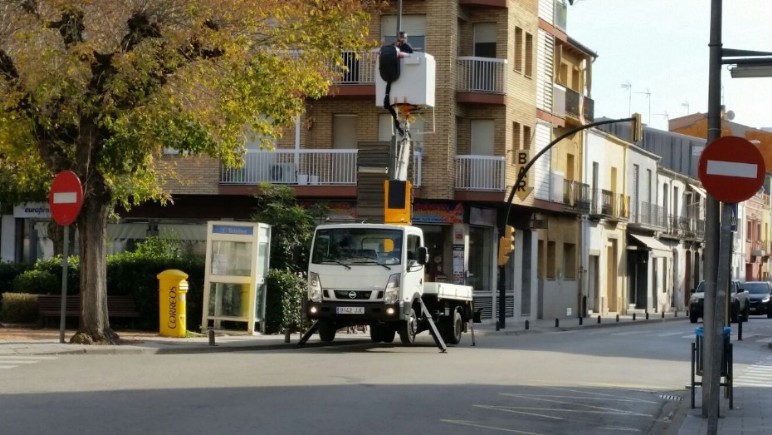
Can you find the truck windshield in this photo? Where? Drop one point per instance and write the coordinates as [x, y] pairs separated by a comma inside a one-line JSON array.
[[363, 246]]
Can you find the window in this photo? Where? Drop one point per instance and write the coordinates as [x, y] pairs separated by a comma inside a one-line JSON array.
[[569, 261], [526, 137], [413, 25], [517, 142], [528, 55], [485, 40], [344, 131], [551, 260], [482, 137], [519, 50]]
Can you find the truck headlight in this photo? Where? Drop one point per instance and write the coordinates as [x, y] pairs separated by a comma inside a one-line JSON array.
[[693, 299], [765, 300], [314, 287], [391, 293]]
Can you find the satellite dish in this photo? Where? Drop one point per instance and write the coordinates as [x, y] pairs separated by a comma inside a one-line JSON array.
[[730, 115]]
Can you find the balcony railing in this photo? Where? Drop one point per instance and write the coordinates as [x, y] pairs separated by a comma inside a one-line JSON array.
[[576, 194], [475, 172], [301, 167], [359, 68], [481, 74], [579, 106], [602, 202]]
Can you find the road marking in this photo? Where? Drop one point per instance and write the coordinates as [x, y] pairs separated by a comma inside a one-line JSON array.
[[481, 426], [13, 361], [731, 169], [514, 410], [758, 375]]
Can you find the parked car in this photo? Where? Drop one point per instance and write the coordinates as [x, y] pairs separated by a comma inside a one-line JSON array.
[[759, 292], [740, 302]]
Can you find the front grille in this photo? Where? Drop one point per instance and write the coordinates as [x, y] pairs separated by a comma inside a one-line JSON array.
[[347, 294]]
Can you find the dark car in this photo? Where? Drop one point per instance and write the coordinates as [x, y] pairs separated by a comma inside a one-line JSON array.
[[758, 293], [740, 305]]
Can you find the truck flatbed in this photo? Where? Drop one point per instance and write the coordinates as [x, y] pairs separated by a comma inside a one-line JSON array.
[[449, 291]]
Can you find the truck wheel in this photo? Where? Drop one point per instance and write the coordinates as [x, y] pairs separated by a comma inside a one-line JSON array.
[[388, 334], [376, 333], [408, 328], [452, 329], [693, 317], [327, 331]]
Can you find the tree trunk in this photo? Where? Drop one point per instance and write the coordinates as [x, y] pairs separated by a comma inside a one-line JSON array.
[[92, 222]]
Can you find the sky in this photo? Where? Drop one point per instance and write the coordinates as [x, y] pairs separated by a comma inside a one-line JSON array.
[[653, 57]]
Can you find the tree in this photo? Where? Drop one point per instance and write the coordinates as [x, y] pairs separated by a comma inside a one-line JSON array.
[[99, 87], [292, 226]]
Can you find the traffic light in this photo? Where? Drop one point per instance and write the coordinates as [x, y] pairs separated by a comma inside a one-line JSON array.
[[636, 127], [506, 244]]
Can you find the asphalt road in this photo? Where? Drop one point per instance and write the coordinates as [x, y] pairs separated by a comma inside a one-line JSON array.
[[591, 381]]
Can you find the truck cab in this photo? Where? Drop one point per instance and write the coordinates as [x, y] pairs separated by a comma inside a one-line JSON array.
[[364, 273], [374, 274]]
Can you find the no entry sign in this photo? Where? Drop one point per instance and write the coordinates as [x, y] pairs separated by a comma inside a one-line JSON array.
[[65, 197], [731, 169]]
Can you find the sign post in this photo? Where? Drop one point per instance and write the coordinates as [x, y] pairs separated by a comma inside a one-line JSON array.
[[65, 200], [731, 170]]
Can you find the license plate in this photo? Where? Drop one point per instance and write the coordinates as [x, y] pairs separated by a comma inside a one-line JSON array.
[[350, 310]]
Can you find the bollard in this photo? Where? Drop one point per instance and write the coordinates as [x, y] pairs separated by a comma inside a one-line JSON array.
[[675, 313], [740, 329], [580, 321], [557, 323], [633, 316], [211, 336], [663, 314], [598, 319], [526, 324], [287, 335], [647, 314], [617, 318]]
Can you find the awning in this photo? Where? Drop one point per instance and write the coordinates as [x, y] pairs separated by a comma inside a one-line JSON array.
[[658, 248], [700, 191]]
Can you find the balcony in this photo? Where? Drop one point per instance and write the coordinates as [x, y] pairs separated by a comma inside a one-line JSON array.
[[578, 106], [648, 214], [757, 249], [481, 79], [323, 167], [482, 173], [576, 195], [356, 76], [558, 100], [602, 204]]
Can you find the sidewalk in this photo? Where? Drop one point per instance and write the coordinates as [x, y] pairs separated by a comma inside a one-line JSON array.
[[751, 405]]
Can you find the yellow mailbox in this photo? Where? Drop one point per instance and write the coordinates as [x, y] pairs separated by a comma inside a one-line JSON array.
[[172, 305]]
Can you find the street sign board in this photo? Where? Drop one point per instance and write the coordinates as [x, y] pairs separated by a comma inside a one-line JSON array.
[[65, 197], [731, 169], [522, 189]]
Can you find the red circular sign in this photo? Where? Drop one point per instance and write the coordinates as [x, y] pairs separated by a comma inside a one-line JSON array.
[[731, 169], [65, 197]]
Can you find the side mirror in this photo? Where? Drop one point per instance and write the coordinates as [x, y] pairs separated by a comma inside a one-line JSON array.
[[423, 255]]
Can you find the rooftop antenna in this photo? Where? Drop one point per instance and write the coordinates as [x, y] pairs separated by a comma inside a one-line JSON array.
[[648, 97], [627, 85], [686, 104]]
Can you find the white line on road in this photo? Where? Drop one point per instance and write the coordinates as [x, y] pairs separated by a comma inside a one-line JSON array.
[[481, 426]]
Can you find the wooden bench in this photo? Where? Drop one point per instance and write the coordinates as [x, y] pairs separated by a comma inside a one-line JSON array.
[[117, 306]]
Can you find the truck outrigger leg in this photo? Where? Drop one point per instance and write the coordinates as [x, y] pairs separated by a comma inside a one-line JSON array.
[[309, 333], [435, 333]]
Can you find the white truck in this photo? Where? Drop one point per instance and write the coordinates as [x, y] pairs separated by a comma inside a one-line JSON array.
[[373, 274]]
